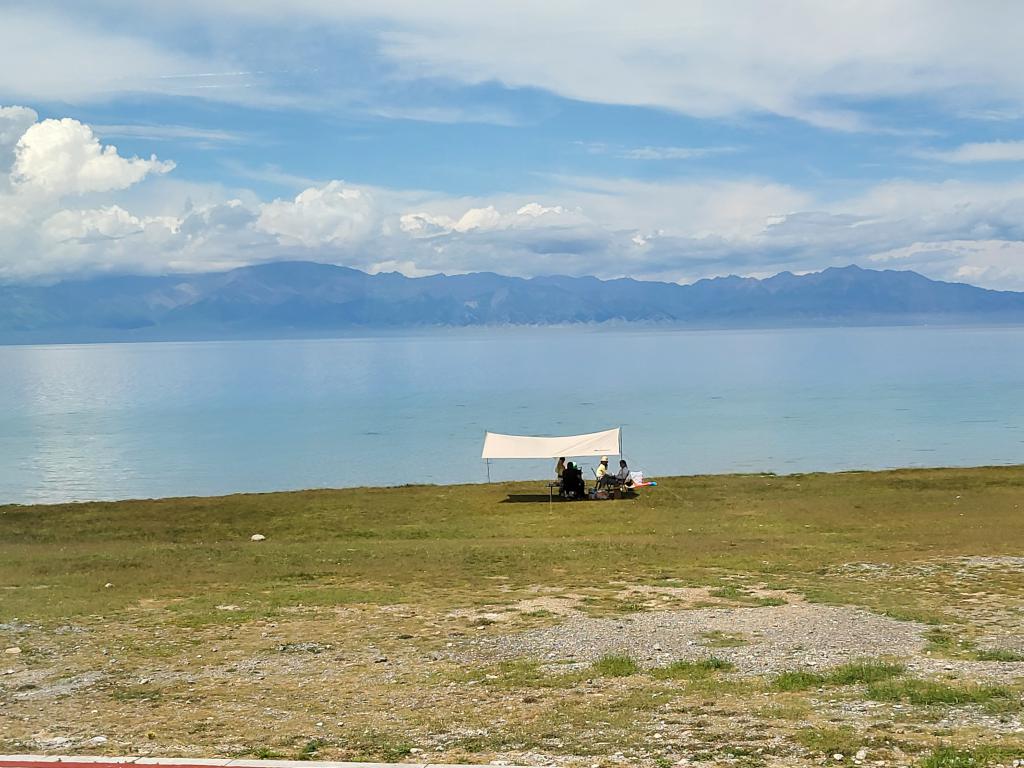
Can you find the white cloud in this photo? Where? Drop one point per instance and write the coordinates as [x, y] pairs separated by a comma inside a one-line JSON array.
[[536, 210], [329, 215], [62, 157], [67, 56], [483, 219], [14, 121], [109, 223], [804, 59], [202, 137], [980, 152], [673, 153], [713, 59], [995, 263], [78, 208]]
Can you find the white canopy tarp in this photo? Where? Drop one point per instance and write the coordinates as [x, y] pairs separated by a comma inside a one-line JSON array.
[[525, 447]]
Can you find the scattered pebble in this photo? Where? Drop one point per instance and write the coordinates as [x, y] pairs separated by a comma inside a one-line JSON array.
[[257, 537]]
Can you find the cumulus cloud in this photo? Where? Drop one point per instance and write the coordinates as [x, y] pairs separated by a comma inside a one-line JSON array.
[[327, 215], [62, 157], [109, 223], [480, 219]]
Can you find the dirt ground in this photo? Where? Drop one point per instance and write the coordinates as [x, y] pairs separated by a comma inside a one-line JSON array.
[[519, 683]]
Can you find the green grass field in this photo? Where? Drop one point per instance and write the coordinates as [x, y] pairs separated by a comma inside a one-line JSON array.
[[346, 578]]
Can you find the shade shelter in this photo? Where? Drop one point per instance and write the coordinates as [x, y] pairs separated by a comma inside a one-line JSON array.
[[497, 446]]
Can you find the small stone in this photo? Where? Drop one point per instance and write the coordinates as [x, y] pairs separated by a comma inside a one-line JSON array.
[[96, 741], [13, 650], [108, 585], [257, 537], [837, 756], [228, 608]]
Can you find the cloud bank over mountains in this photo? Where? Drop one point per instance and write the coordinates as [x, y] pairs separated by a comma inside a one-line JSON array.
[[663, 140], [72, 205]]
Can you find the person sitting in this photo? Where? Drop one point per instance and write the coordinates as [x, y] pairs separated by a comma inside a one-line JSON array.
[[602, 470], [622, 477], [619, 479], [572, 482], [560, 468]]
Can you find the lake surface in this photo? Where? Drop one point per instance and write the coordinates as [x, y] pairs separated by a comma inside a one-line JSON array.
[[166, 419]]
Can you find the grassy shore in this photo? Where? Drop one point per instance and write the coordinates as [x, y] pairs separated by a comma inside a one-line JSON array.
[[357, 628]]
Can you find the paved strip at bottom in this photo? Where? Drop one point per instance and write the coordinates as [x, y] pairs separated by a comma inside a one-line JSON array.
[[83, 761]]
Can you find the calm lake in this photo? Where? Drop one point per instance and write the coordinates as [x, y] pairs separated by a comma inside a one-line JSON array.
[[114, 421]]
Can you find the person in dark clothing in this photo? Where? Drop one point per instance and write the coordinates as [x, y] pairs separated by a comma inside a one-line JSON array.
[[572, 482]]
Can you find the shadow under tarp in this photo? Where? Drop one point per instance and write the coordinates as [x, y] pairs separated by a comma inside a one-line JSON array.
[[536, 498], [529, 498]]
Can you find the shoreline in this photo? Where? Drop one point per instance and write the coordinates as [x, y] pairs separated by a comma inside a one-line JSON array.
[[39, 340], [532, 483]]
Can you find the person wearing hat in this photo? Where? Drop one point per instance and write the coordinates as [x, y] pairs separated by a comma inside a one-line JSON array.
[[605, 478]]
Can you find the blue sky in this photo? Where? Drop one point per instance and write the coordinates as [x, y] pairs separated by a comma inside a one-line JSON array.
[[663, 140]]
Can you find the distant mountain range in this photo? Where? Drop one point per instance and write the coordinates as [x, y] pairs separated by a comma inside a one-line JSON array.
[[308, 299]]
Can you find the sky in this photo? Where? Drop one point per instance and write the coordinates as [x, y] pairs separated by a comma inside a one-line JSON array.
[[656, 140]]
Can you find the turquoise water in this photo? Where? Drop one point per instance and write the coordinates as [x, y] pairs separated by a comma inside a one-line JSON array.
[[141, 420]]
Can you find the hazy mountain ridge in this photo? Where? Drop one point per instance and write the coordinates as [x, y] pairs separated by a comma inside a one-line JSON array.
[[293, 298]]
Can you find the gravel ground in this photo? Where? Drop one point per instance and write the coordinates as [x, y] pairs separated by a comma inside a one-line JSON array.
[[773, 639]]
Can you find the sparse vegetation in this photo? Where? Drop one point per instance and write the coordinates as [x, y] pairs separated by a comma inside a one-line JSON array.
[[864, 671], [345, 626], [614, 666], [830, 741], [719, 639], [925, 692], [690, 669], [998, 654], [975, 757]]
